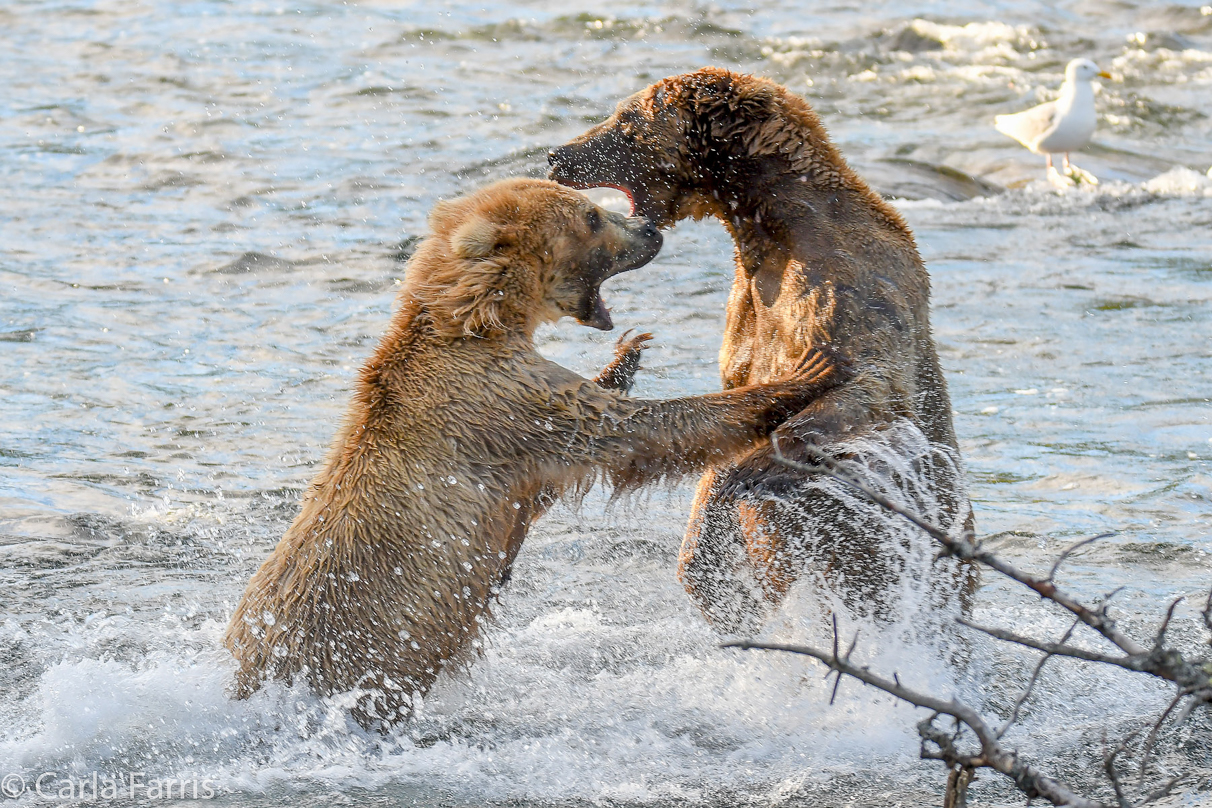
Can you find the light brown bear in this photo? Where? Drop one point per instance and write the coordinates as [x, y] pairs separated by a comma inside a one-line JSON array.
[[458, 435], [821, 259]]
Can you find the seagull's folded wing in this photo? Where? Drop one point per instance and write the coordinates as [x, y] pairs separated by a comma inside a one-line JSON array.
[[1029, 126]]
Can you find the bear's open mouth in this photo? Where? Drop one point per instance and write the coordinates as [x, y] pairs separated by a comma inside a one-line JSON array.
[[625, 191], [600, 318], [594, 311], [589, 186]]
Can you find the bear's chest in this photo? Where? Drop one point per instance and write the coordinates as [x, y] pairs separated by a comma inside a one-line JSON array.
[[772, 319]]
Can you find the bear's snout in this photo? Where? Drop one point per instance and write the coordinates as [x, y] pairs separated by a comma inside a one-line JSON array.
[[596, 158], [645, 242], [567, 168]]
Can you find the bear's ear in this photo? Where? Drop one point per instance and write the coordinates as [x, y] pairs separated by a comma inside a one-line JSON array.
[[476, 238], [478, 291], [446, 214]]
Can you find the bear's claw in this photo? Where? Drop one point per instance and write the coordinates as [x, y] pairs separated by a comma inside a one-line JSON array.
[[620, 373], [627, 344], [824, 362]]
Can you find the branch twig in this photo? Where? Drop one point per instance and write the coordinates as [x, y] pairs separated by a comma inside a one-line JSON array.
[[1026, 694], [1152, 737], [1053, 649], [1192, 677], [1030, 780], [1071, 549], [1161, 662]]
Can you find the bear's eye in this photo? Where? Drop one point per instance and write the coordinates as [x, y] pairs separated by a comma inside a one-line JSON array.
[[594, 220]]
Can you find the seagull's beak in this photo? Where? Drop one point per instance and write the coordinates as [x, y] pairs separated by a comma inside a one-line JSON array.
[[1103, 74]]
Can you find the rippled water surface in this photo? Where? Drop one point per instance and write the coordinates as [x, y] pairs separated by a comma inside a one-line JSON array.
[[207, 206]]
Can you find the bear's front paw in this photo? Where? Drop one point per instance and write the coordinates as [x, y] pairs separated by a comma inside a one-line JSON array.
[[620, 373], [824, 364]]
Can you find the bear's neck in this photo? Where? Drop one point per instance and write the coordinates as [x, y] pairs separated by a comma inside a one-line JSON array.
[[777, 183], [443, 315], [416, 329], [798, 208], [791, 211]]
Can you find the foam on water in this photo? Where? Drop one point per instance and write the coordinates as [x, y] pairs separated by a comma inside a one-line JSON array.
[[567, 703], [577, 696], [1181, 181]]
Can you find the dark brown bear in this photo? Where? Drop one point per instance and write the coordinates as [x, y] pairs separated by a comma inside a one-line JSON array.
[[459, 433], [821, 259]]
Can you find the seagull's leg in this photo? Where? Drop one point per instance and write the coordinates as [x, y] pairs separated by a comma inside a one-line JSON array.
[[1049, 157], [1068, 167]]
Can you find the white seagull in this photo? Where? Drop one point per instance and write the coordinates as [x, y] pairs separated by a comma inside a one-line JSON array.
[[1059, 126]]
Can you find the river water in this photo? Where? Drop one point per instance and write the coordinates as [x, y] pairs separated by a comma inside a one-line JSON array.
[[207, 205]]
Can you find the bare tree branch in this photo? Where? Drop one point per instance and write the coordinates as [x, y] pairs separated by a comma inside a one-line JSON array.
[[1161, 662], [1030, 780], [1026, 694], [1192, 676]]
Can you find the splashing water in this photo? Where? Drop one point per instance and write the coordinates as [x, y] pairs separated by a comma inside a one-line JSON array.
[[878, 563]]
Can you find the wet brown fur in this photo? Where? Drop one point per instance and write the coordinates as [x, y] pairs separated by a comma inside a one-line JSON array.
[[458, 435], [821, 259]]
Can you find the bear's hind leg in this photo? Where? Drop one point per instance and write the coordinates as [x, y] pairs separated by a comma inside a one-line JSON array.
[[714, 567], [767, 549]]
